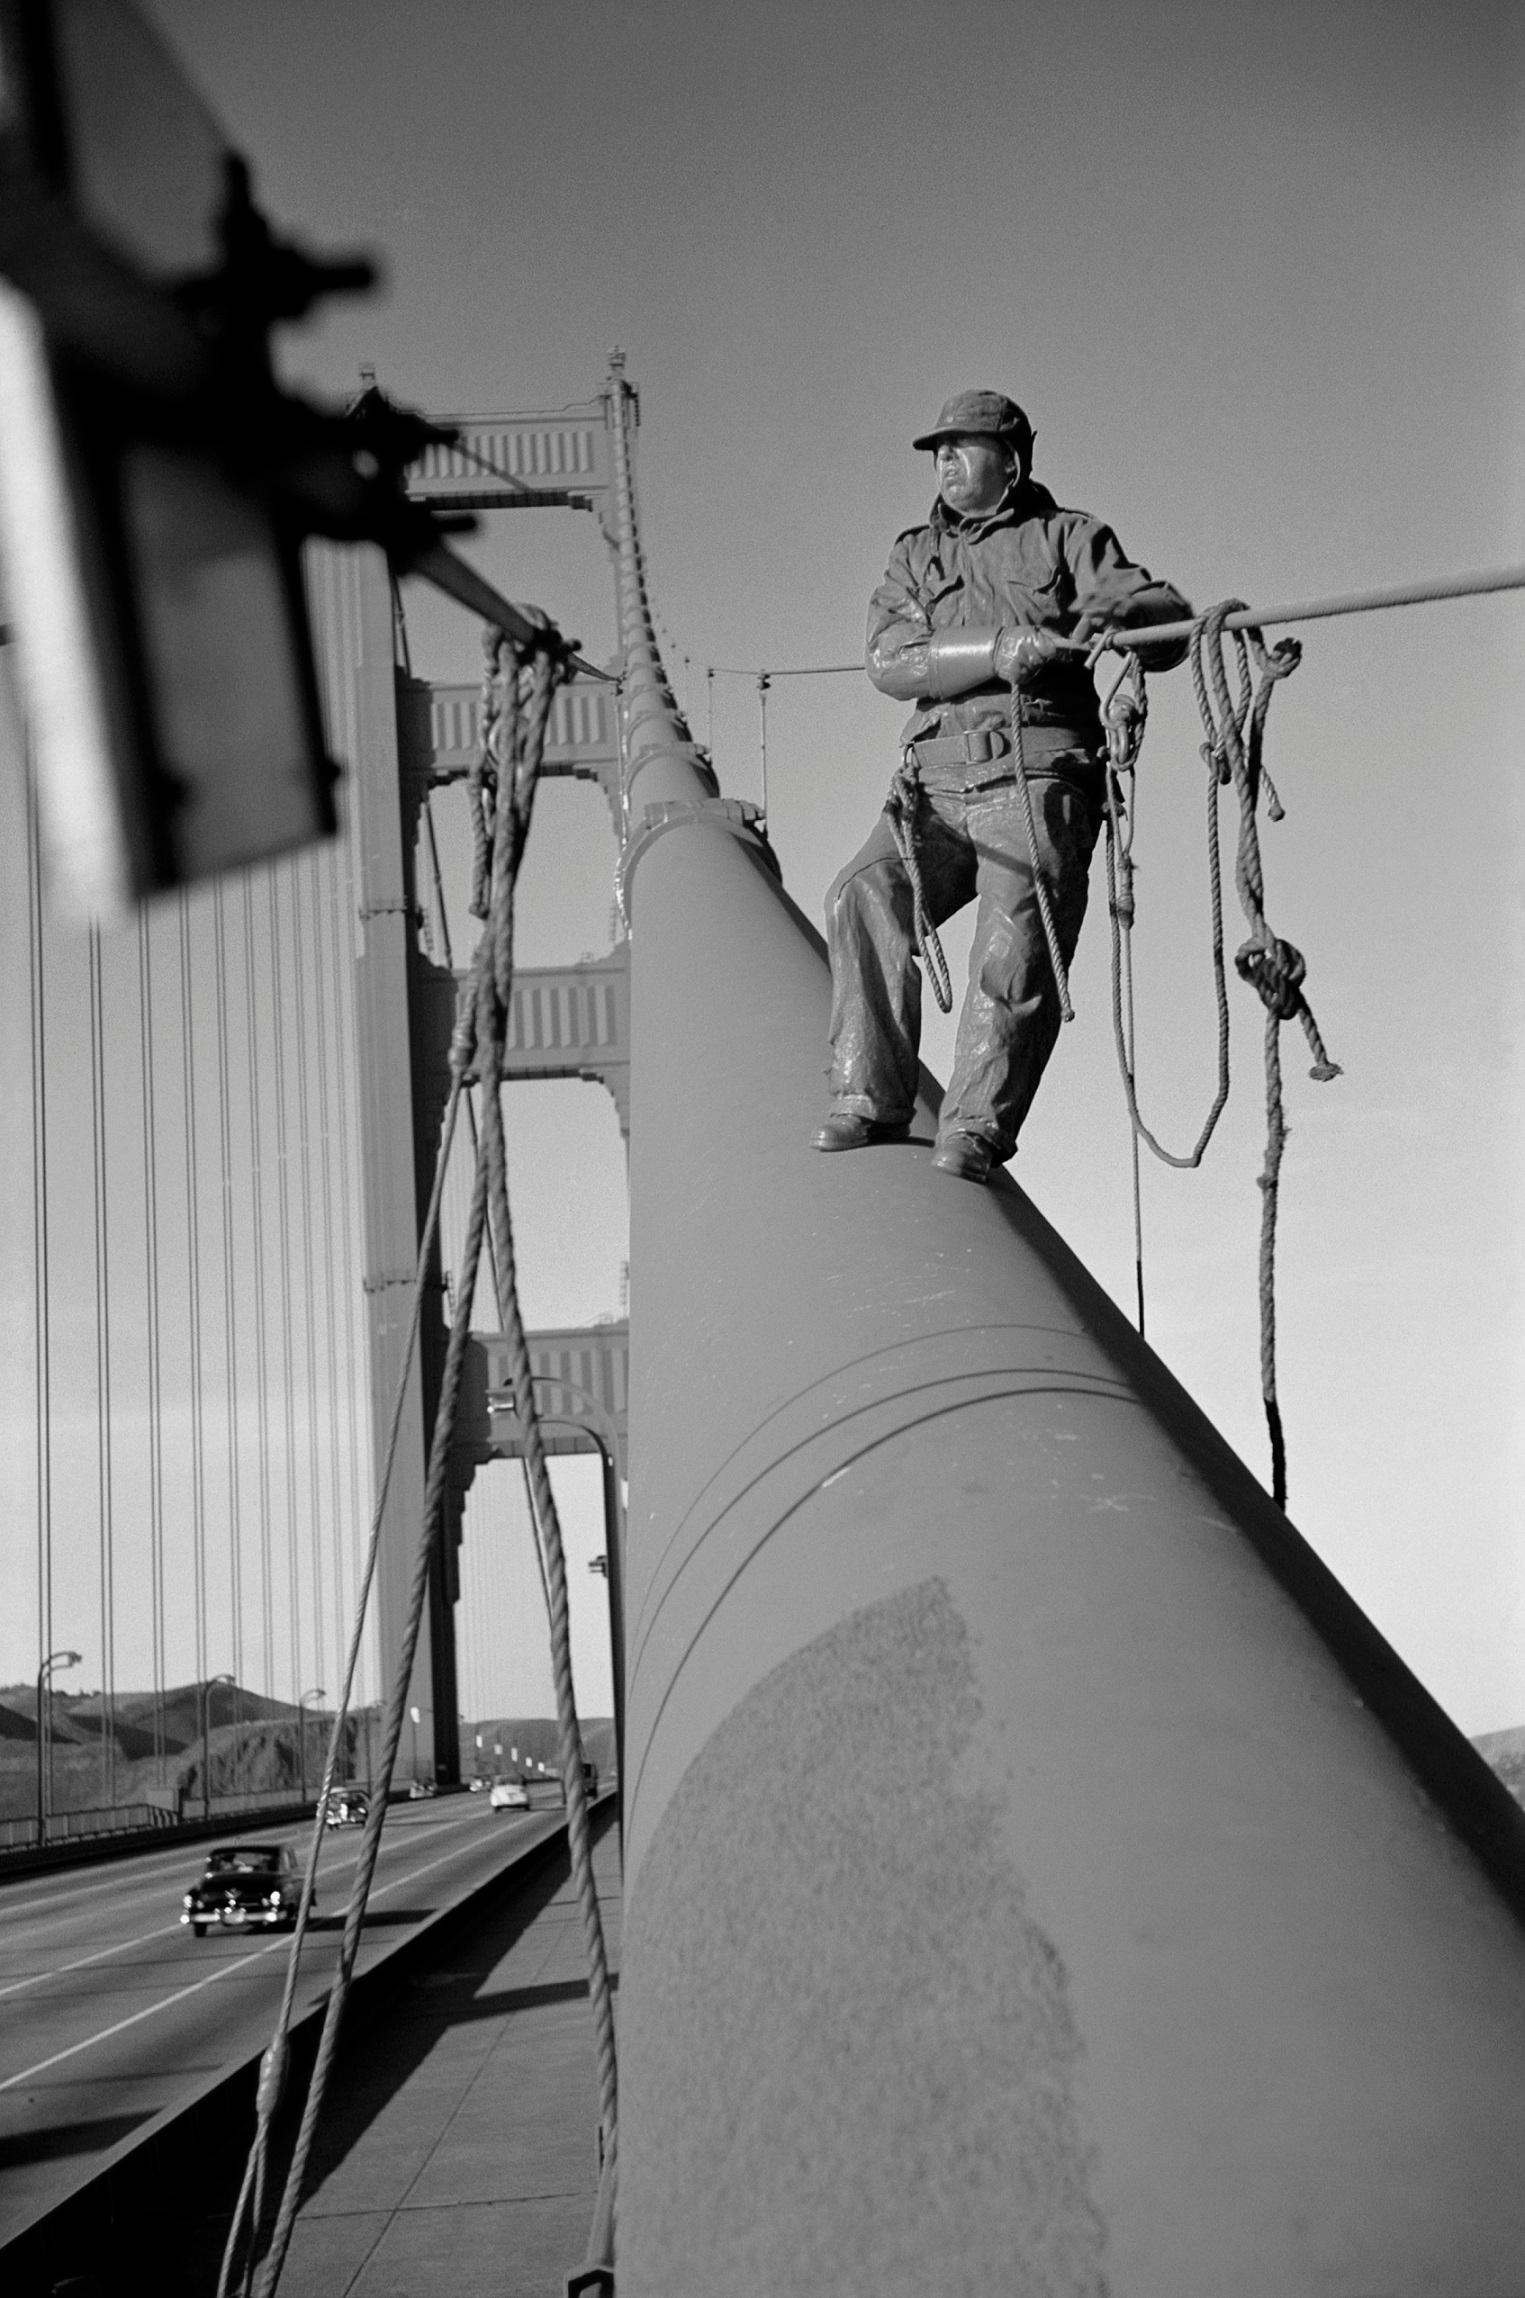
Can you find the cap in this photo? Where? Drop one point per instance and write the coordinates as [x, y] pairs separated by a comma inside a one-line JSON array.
[[979, 413]]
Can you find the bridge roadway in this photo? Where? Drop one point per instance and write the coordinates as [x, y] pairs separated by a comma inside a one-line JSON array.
[[112, 2012]]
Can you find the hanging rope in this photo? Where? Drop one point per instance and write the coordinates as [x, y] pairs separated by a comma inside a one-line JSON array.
[[901, 805], [501, 795], [1274, 968], [1040, 890]]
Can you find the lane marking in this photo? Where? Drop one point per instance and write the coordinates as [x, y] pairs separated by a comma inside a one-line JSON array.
[[120, 1948], [142, 1868], [223, 1971]]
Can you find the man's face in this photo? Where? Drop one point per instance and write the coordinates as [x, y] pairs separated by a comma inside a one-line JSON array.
[[973, 472]]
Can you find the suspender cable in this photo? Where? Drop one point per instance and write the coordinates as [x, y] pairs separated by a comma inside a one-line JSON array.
[[151, 1303], [310, 1386], [288, 1400], [229, 1294], [106, 1550], [261, 1337], [41, 1322], [193, 1292], [341, 909], [323, 984]]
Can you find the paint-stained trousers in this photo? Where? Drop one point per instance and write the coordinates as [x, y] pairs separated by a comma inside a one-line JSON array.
[[970, 841]]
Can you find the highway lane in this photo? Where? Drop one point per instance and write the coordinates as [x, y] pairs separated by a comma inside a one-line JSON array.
[[111, 2010]]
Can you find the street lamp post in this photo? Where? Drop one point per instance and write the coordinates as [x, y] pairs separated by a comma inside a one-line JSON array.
[[60, 1659], [206, 1739], [318, 1694], [595, 1420]]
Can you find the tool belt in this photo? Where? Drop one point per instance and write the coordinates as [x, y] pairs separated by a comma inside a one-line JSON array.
[[985, 744]]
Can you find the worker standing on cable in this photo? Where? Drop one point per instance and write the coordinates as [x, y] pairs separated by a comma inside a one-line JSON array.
[[965, 624]]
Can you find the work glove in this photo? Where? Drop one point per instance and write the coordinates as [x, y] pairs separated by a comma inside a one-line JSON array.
[[1021, 654]]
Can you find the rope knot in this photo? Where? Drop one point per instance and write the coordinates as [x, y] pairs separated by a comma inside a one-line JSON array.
[[1275, 970]]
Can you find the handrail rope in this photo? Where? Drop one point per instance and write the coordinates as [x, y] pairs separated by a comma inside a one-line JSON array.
[[1243, 618], [274, 2061]]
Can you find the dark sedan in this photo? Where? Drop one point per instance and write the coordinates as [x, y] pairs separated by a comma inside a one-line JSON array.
[[245, 1886]]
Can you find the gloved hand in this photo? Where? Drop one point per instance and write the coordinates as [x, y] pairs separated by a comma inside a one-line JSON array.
[[1021, 654]]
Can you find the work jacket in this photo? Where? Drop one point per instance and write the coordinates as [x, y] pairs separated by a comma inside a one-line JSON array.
[[1028, 563]]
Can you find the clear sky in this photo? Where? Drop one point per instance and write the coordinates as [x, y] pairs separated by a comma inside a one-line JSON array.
[[1255, 274]]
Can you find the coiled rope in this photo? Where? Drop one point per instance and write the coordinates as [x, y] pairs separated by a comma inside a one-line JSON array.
[[1233, 723], [1274, 968]]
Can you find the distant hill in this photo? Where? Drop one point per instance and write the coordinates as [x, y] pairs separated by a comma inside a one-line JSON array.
[[537, 1739], [153, 1751]]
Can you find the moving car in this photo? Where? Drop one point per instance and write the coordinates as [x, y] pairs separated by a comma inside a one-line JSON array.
[[347, 1807], [245, 1886], [509, 1795]]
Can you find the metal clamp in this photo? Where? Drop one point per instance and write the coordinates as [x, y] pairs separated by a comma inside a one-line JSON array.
[[738, 815]]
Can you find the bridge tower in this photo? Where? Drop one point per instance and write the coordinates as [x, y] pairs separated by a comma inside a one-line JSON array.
[[399, 737]]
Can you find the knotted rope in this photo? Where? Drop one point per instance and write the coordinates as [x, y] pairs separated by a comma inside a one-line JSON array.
[[901, 806], [1234, 724], [1275, 970]]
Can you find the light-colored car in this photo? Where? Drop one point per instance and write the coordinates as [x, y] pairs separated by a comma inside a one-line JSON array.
[[509, 1795], [346, 1807]]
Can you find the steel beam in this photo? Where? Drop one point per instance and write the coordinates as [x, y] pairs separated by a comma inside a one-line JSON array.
[[1040, 1877], [441, 735], [505, 462], [564, 1021]]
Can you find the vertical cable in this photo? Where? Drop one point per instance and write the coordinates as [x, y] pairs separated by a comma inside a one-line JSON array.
[[193, 1294], [229, 1291], [103, 1463], [151, 1300], [341, 906], [324, 991], [283, 1206], [261, 1334], [304, 1138], [41, 1321]]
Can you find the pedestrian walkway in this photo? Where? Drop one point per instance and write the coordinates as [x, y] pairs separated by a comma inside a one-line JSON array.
[[459, 2154]]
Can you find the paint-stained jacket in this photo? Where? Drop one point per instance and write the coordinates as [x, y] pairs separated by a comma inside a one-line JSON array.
[[1028, 563]]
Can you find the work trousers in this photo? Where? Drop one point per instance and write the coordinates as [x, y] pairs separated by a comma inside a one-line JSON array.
[[970, 841]]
